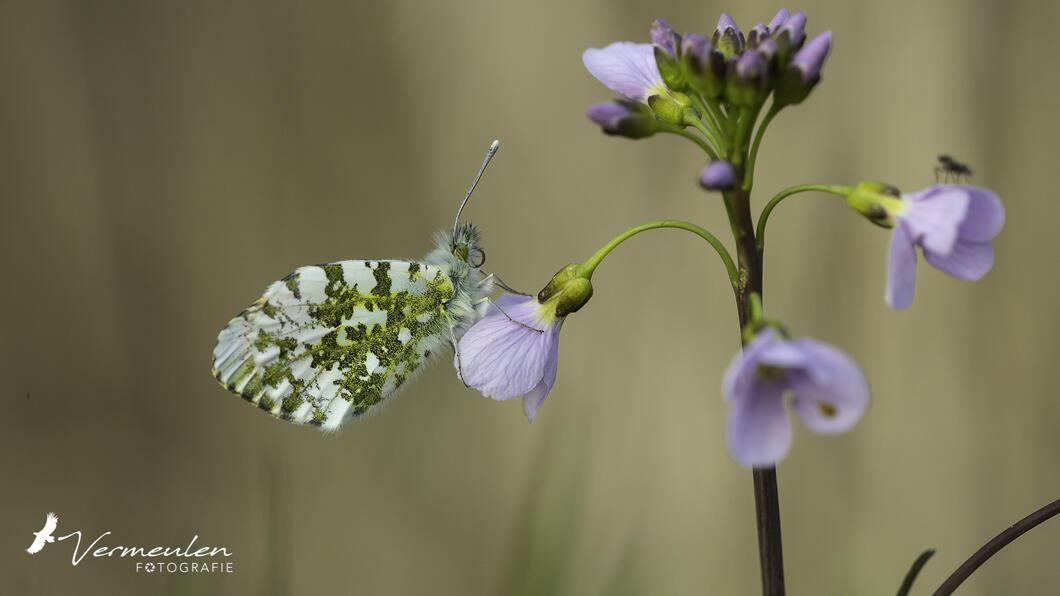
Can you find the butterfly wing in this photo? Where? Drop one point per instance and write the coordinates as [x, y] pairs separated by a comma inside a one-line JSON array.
[[330, 342]]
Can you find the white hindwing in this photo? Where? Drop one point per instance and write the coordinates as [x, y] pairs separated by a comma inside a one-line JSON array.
[[330, 342]]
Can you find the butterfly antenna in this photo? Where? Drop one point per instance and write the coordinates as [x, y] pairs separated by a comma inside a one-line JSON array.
[[489, 155]]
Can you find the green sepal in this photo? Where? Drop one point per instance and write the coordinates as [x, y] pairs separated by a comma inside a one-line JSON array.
[[877, 201], [567, 291], [707, 79], [790, 88], [667, 110], [670, 69], [641, 123]]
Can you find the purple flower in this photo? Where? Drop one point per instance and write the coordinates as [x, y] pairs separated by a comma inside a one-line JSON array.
[[718, 175], [505, 359], [953, 225], [830, 394], [627, 68]]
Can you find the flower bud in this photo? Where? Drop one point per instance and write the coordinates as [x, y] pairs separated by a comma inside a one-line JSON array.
[[665, 37], [567, 291], [792, 33], [804, 71], [624, 118], [703, 66], [718, 175], [747, 83], [778, 21], [877, 201], [756, 35], [727, 37], [809, 60]]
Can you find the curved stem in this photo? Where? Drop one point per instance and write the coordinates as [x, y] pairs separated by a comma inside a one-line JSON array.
[[999, 542], [760, 232], [749, 172], [586, 269], [697, 140], [918, 564], [707, 132], [712, 119]]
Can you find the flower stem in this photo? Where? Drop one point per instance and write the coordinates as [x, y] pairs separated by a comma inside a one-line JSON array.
[[738, 208], [749, 173], [999, 542], [586, 269], [695, 139], [767, 514], [760, 234]]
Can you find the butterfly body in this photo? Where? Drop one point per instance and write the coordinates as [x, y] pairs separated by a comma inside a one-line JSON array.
[[329, 343]]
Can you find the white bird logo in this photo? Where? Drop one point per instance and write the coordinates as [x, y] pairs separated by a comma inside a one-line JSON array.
[[45, 534]]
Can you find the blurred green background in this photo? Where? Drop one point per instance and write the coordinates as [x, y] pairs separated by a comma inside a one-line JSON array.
[[163, 162]]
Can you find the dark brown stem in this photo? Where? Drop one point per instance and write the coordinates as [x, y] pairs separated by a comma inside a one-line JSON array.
[[767, 501], [999, 542]]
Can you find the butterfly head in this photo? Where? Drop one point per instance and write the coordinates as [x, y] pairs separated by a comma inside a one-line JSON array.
[[464, 244]]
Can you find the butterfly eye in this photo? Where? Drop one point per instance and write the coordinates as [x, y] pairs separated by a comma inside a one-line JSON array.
[[477, 258]]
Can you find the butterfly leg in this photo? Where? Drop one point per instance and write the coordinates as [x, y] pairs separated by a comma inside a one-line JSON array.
[[456, 349], [498, 307], [499, 282]]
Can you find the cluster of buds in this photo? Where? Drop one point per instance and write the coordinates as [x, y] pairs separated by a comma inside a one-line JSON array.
[[673, 81]]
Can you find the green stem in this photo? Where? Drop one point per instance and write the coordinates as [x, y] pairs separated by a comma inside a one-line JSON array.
[[586, 269], [712, 119], [760, 234], [695, 139], [749, 172], [707, 132]]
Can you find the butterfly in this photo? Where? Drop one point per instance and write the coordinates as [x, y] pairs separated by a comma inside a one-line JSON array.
[[329, 343]]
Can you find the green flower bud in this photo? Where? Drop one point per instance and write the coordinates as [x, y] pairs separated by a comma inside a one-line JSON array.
[[567, 291], [667, 109]]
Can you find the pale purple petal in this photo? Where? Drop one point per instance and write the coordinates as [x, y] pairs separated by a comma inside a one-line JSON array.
[[901, 269], [782, 354], [758, 430], [985, 216], [742, 367], [966, 260], [778, 21], [831, 393], [503, 359], [933, 218], [532, 401], [627, 68]]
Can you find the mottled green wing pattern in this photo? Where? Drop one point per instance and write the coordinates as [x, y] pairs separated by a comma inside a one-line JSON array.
[[329, 342]]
